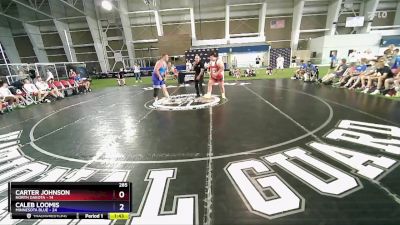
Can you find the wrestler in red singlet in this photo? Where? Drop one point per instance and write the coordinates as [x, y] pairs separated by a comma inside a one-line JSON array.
[[216, 75]]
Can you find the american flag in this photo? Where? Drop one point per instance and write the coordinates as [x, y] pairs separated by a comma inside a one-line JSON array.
[[277, 24]]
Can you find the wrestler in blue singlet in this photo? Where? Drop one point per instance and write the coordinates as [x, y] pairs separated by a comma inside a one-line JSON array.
[[157, 83]]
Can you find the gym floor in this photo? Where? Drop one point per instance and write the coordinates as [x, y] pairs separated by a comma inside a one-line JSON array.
[[113, 130]]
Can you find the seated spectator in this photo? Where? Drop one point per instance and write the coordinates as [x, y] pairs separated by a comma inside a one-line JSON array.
[[396, 82], [43, 86], [354, 74], [33, 90], [363, 76], [339, 71], [237, 73], [389, 52], [7, 96], [250, 72], [311, 72], [83, 83], [121, 77], [383, 72], [299, 73], [269, 70], [395, 62], [71, 74], [2, 106], [346, 76]]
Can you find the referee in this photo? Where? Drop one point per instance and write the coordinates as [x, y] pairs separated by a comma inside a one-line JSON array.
[[198, 67]]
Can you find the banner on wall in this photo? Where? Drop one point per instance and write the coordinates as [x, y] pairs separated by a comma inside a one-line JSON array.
[[277, 24]]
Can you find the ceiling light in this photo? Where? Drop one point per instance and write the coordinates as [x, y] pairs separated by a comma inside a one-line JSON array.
[[106, 5]]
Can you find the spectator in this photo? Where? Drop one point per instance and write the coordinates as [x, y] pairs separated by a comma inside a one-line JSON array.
[[353, 56], [397, 84], [44, 87], [83, 83], [340, 70], [396, 81], [363, 71], [383, 72], [2, 103], [49, 75], [32, 90], [369, 55], [354, 76], [395, 62], [121, 77], [188, 65], [279, 62], [258, 62], [389, 52], [333, 60], [250, 72], [310, 73], [347, 75], [7, 96], [269, 70], [299, 73], [72, 74], [294, 64], [136, 71]]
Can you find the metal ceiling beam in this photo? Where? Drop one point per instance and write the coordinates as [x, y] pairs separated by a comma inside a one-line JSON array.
[[158, 18], [261, 19], [72, 6], [370, 7], [11, 17], [31, 8], [296, 21], [333, 16], [37, 42], [7, 41], [227, 16], [397, 15], [92, 21], [126, 27], [192, 24], [57, 10]]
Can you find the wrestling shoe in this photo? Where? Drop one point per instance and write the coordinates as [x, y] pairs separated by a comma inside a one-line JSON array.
[[376, 92], [223, 96]]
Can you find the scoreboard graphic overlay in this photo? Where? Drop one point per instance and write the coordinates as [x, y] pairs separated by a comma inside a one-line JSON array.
[[47, 200]]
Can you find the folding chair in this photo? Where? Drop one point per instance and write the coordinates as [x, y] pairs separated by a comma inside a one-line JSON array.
[[30, 97], [67, 87]]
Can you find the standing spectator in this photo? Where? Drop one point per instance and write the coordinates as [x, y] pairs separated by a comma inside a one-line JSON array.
[[188, 65], [258, 61], [353, 57], [49, 75], [369, 55], [333, 60], [294, 64], [279, 62], [136, 71]]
